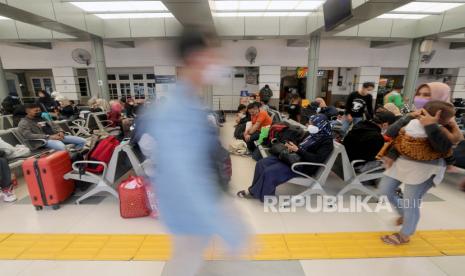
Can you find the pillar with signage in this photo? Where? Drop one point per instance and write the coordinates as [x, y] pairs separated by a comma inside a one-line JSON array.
[[66, 82], [313, 56], [3, 83], [100, 68]]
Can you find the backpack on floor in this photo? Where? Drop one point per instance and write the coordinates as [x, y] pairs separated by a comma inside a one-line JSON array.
[[102, 151]]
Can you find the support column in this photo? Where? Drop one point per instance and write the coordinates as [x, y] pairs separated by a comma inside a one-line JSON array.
[[3, 84], [459, 87], [313, 56], [412, 70], [100, 68], [66, 82], [271, 75], [369, 74]]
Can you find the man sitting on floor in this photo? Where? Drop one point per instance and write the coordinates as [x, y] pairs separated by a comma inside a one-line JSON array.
[[260, 118], [33, 127]]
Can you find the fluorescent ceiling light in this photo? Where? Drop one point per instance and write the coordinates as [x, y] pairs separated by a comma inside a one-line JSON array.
[[265, 5], [402, 16], [435, 7], [121, 6], [282, 5], [226, 5], [259, 14], [309, 5], [133, 15], [253, 5], [4, 18]]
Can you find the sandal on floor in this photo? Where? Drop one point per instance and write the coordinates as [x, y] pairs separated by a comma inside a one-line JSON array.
[[394, 239], [243, 194]]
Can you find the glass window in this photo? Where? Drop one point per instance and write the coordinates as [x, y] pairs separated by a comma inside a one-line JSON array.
[[150, 76], [138, 77], [48, 85], [111, 77], [125, 89], [151, 90], [113, 91], [36, 83], [123, 76], [83, 87], [139, 91]]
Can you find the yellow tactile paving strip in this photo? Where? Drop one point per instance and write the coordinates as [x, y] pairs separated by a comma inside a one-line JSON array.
[[103, 247]]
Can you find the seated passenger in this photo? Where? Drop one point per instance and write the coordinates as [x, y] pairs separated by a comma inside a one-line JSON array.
[[32, 127], [330, 111], [6, 183], [394, 109], [130, 108], [242, 114], [46, 102], [260, 118], [67, 111], [365, 139], [294, 108], [273, 171], [114, 115], [10, 103]]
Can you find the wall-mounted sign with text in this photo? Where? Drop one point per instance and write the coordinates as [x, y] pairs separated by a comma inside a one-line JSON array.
[[165, 79]]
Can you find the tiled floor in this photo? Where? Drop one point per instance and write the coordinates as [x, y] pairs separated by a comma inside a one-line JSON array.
[[104, 218]]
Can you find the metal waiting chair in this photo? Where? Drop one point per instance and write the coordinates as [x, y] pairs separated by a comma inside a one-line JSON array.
[[314, 183], [99, 123], [118, 166], [6, 122], [355, 180]]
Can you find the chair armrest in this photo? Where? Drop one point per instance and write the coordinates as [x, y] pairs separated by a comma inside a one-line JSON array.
[[44, 141], [305, 164], [106, 123], [356, 162], [105, 166]]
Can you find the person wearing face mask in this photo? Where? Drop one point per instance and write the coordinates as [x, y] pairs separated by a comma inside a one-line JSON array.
[[273, 171], [360, 103], [366, 139], [433, 91], [33, 127], [189, 195]]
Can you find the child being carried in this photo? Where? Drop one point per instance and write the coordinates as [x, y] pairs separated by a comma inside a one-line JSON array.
[[412, 141]]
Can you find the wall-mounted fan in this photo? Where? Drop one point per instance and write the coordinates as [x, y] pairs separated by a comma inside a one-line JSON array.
[[251, 54], [81, 56], [426, 58]]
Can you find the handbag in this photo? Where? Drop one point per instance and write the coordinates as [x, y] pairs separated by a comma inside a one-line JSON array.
[[289, 157]]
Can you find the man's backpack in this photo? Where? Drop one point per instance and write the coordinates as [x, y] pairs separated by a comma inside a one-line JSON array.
[[102, 152]]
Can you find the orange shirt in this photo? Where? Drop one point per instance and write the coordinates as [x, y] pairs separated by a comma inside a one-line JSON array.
[[263, 118]]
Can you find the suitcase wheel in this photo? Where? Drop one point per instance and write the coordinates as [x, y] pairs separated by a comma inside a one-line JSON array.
[[38, 208], [56, 207]]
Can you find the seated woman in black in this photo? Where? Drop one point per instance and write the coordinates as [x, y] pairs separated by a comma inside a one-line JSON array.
[[271, 171]]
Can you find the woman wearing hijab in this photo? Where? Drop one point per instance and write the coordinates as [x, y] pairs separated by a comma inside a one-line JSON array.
[[271, 171], [417, 176]]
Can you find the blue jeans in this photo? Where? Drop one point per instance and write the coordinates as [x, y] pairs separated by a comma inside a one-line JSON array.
[[346, 124], [408, 207], [60, 145]]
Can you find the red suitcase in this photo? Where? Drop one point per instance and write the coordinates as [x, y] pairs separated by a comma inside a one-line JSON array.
[[44, 178]]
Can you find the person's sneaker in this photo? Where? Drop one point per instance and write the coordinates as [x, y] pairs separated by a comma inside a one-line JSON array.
[[9, 195]]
